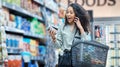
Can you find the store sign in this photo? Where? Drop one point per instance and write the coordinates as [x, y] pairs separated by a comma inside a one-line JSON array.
[[102, 8], [91, 3]]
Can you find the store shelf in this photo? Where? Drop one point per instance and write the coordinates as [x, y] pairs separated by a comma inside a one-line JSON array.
[[114, 66], [114, 41], [14, 31], [10, 53], [37, 1], [23, 33], [38, 58], [14, 48], [51, 9], [114, 48], [30, 35], [114, 32], [115, 57], [21, 11]]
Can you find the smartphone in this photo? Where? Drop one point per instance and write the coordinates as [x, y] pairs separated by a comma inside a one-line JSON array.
[[55, 27], [52, 27]]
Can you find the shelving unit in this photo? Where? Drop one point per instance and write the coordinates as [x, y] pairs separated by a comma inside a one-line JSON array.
[[23, 33], [17, 10], [112, 33], [11, 31], [39, 2], [21, 11]]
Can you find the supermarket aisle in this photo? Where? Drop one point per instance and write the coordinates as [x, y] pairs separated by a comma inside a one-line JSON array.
[[23, 25], [25, 42]]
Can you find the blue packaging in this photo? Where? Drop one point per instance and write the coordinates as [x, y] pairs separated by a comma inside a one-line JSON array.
[[11, 43], [7, 42], [42, 50], [18, 21]]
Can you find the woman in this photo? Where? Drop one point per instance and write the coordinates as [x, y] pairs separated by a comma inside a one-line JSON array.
[[76, 19]]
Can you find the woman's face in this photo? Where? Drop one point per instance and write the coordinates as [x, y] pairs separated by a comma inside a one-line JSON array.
[[70, 15]]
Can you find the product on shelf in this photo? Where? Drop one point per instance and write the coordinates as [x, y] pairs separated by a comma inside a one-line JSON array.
[[18, 21], [4, 16], [15, 2], [61, 13], [28, 5], [14, 43], [25, 25], [52, 5], [11, 22], [14, 61], [32, 64], [37, 27], [42, 50], [33, 47], [26, 56], [26, 44]]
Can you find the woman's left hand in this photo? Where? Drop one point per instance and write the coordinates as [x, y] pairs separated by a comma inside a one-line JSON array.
[[78, 23]]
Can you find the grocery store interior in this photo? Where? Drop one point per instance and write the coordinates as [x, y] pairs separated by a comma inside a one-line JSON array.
[[24, 39]]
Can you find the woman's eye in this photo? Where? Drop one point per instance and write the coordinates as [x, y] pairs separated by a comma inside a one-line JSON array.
[[71, 12], [67, 12]]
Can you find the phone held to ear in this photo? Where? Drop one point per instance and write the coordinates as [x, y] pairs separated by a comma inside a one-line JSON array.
[[76, 19]]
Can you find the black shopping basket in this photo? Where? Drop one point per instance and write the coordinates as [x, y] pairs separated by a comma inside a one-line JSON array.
[[89, 54]]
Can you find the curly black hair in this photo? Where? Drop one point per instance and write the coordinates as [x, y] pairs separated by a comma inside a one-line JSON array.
[[82, 14]]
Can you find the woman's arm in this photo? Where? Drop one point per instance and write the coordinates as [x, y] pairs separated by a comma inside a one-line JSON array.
[[84, 35], [57, 37]]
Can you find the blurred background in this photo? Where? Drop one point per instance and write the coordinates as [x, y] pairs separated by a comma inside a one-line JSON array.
[[24, 40]]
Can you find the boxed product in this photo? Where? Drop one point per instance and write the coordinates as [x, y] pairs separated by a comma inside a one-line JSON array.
[[4, 16], [16, 2], [35, 8], [18, 21], [26, 44], [26, 56], [25, 25], [10, 61], [29, 7], [11, 23], [33, 47], [42, 50], [14, 61], [18, 61], [34, 24]]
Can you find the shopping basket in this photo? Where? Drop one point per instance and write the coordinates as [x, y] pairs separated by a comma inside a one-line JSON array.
[[89, 54]]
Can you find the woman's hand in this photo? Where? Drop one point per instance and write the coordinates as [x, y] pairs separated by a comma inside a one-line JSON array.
[[52, 33], [78, 23]]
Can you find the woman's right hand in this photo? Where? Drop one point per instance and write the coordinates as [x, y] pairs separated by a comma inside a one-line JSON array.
[[52, 33]]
